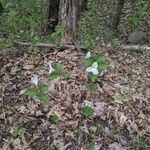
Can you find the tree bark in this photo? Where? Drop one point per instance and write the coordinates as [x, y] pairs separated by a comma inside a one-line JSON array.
[[117, 16], [1, 9], [69, 12], [52, 14]]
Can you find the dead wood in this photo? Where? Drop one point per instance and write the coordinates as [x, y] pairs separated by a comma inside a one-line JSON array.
[[135, 47]]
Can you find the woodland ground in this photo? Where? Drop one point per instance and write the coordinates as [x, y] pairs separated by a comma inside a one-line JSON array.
[[122, 103]]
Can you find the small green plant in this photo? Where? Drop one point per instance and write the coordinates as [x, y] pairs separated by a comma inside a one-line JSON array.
[[38, 90], [90, 146], [99, 58], [93, 129], [5, 44], [55, 119], [59, 31], [88, 44], [16, 132], [115, 130], [19, 21], [141, 142], [87, 111], [92, 86], [133, 22], [32, 50], [58, 71], [95, 64]]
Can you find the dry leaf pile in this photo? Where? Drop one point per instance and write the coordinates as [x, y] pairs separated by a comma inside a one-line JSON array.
[[121, 103]]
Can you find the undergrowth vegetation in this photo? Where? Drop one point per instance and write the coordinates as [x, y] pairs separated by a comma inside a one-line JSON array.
[[95, 67], [95, 24], [18, 21]]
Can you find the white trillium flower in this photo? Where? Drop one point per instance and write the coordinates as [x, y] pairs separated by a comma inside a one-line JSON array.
[[12, 130], [32, 33], [34, 79], [51, 69], [93, 69], [88, 55]]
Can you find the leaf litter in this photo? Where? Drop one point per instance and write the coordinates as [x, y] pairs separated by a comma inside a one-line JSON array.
[[121, 104]]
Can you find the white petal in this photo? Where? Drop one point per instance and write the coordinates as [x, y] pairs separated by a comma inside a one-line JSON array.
[[50, 68], [50, 65], [88, 55], [94, 71], [34, 79], [95, 65], [89, 69]]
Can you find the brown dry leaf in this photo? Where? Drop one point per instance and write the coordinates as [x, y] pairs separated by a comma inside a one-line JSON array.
[[32, 107], [76, 108], [6, 147], [17, 143], [99, 108], [119, 117], [25, 144], [134, 127], [28, 67], [108, 89], [114, 146], [49, 113], [60, 145], [126, 80]]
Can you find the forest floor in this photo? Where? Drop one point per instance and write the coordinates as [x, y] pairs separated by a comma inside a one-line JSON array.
[[122, 119]]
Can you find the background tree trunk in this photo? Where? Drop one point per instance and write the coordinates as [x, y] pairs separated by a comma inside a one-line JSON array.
[[67, 12], [117, 16], [1, 9], [52, 14], [70, 12]]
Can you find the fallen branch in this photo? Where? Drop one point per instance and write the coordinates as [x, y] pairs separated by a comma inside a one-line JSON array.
[[45, 45], [134, 47]]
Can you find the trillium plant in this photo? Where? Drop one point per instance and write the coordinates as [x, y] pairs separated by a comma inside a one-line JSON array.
[[57, 71], [95, 66], [34, 79], [93, 69], [88, 55], [37, 90]]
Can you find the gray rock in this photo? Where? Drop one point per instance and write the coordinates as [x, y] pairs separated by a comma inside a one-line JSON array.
[[139, 37]]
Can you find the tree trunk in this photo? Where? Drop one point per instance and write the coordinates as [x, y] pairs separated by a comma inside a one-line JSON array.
[[84, 5], [70, 12], [67, 12], [1, 9], [52, 14], [117, 16]]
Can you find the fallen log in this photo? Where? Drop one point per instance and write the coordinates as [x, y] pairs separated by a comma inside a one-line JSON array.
[[73, 47], [45, 45], [134, 47]]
